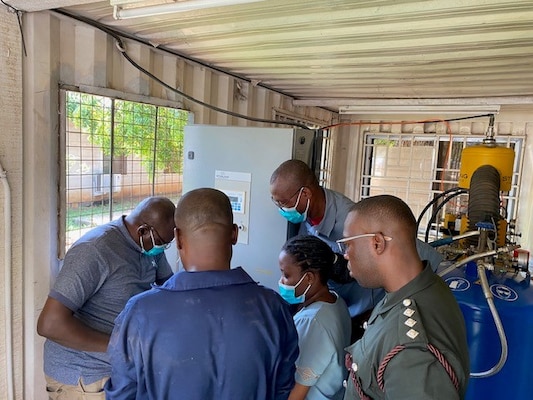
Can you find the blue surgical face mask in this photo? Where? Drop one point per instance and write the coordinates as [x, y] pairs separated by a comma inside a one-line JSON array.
[[156, 248], [291, 214], [289, 292]]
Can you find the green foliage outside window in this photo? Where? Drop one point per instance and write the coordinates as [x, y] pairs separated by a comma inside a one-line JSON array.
[[137, 128]]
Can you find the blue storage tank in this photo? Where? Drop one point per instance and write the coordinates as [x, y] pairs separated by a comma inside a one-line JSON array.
[[514, 302]]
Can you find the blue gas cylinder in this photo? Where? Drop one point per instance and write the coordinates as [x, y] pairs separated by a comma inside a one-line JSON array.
[[513, 298]]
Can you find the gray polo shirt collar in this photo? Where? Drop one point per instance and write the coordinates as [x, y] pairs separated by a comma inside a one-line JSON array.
[[325, 227]]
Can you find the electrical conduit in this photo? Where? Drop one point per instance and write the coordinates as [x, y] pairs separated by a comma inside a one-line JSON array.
[[7, 280]]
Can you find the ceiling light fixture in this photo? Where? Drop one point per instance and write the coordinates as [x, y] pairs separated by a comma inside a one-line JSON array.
[[466, 109], [119, 12]]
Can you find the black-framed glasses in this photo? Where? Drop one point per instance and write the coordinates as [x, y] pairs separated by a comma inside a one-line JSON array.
[[342, 242], [284, 204]]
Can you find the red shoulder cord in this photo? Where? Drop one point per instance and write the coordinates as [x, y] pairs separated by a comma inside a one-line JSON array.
[[383, 365]]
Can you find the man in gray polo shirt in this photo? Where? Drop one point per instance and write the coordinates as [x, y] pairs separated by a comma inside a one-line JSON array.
[[101, 271]]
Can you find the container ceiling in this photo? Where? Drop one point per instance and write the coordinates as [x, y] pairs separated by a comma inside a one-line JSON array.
[[338, 52]]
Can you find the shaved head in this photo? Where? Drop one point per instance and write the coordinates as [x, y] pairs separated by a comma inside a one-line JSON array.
[[154, 211], [203, 207], [294, 173], [205, 232]]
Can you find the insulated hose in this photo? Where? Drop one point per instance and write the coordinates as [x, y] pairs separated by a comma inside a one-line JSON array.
[[428, 205], [484, 199], [490, 302], [451, 239]]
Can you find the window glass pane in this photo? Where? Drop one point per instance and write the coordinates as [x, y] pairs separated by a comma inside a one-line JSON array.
[[420, 168], [117, 152]]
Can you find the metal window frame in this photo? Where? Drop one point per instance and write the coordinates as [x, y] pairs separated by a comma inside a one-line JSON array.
[[436, 185], [62, 159]]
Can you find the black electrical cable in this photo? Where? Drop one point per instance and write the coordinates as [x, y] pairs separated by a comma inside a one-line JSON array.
[[439, 207], [117, 35], [461, 118], [215, 108], [120, 45], [433, 202], [19, 20], [173, 52]]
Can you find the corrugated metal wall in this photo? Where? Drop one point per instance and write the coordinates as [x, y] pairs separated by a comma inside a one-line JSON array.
[[89, 57], [66, 53]]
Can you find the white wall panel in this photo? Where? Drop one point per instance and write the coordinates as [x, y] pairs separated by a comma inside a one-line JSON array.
[[11, 309], [40, 146]]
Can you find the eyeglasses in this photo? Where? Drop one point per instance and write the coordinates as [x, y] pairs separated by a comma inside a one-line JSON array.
[[342, 242], [284, 204]]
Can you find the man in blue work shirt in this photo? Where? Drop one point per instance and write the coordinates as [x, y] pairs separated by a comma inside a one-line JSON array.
[[321, 212], [210, 332]]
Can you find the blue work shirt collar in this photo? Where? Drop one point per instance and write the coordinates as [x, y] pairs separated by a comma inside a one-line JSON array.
[[183, 280]]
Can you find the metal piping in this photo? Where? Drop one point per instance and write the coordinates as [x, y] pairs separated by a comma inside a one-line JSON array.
[[451, 239], [499, 326], [472, 258]]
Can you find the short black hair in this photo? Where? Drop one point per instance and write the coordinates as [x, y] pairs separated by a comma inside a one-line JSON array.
[[297, 172], [203, 207], [311, 253], [386, 208]]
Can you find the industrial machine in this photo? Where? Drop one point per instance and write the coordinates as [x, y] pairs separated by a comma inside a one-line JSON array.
[[239, 161], [488, 273], [485, 268]]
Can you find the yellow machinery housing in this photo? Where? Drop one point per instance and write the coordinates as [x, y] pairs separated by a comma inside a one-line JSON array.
[[476, 158], [501, 158]]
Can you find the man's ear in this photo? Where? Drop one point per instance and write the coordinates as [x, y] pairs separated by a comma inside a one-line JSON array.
[[177, 236], [234, 234], [142, 229], [308, 193], [379, 243]]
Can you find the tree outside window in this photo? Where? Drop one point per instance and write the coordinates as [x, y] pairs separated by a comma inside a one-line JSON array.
[[117, 152]]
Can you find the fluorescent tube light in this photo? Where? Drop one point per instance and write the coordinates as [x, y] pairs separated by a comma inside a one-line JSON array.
[[122, 2], [168, 8], [467, 109]]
